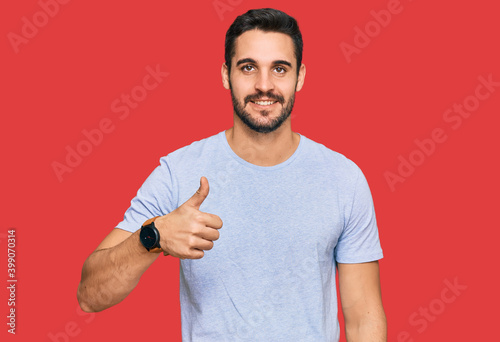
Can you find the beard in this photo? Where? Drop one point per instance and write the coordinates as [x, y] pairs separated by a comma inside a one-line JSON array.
[[255, 124]]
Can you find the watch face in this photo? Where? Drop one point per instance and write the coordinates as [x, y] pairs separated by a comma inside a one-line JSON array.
[[149, 237]]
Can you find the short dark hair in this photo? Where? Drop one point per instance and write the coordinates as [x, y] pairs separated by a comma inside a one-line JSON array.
[[267, 20]]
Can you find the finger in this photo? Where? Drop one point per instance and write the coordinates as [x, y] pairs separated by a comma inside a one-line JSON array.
[[212, 221], [204, 245], [195, 254], [209, 234], [197, 199]]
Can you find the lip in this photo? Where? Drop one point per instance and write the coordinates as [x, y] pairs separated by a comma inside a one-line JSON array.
[[258, 106]]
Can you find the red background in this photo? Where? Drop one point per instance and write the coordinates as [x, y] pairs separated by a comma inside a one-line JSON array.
[[438, 225]]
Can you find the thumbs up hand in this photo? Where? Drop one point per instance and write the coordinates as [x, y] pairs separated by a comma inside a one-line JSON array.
[[186, 232]]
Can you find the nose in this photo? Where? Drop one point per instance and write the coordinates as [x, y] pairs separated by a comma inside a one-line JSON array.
[[264, 81]]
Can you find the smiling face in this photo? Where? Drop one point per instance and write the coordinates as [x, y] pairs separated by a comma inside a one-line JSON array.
[[263, 79]]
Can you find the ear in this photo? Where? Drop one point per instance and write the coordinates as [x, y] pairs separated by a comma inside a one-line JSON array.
[[225, 76], [302, 76]]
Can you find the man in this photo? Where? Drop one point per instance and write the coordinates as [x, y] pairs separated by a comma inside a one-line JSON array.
[[293, 211]]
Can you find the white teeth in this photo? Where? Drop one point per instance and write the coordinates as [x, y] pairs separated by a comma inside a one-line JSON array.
[[264, 103]]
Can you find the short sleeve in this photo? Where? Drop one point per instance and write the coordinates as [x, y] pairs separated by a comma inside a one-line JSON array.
[[359, 240], [156, 197]]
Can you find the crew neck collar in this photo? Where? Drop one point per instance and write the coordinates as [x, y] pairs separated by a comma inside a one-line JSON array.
[[296, 153]]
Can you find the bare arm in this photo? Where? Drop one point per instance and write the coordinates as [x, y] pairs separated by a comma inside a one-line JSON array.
[[359, 287], [113, 270]]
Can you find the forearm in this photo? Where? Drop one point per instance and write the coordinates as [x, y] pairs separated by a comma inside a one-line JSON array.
[[372, 327], [109, 275]]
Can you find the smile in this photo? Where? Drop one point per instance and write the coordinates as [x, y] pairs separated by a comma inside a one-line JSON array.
[[264, 103]]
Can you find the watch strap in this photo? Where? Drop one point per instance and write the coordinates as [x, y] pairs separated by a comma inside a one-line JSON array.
[[154, 249]]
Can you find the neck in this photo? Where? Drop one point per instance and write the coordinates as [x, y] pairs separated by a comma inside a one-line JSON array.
[[263, 149]]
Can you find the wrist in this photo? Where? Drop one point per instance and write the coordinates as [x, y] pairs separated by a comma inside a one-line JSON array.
[[149, 236]]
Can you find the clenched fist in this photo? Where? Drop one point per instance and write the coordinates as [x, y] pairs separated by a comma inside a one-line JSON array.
[[186, 232]]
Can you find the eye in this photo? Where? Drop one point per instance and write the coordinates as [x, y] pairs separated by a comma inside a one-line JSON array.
[[280, 70], [247, 68]]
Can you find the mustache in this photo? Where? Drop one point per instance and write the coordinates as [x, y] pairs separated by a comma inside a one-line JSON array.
[[269, 95]]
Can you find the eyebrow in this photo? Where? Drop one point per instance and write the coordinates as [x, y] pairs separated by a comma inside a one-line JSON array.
[[287, 63], [245, 60], [250, 60]]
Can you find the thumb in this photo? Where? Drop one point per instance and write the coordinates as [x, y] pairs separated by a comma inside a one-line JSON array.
[[197, 199]]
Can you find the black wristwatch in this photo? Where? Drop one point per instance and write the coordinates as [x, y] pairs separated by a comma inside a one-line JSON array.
[[150, 237]]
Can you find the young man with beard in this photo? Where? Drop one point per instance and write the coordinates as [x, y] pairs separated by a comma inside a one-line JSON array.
[[293, 211]]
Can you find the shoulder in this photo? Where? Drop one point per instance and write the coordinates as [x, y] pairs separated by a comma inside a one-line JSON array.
[[194, 152], [325, 158]]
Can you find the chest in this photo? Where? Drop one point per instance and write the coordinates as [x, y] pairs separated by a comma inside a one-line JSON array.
[[271, 216]]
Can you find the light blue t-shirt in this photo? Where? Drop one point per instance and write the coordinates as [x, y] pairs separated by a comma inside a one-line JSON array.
[[271, 274]]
